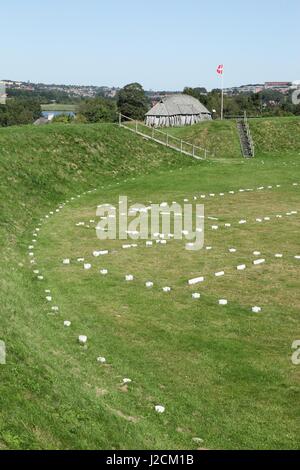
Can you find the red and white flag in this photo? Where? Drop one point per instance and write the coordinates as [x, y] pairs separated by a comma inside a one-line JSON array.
[[220, 69]]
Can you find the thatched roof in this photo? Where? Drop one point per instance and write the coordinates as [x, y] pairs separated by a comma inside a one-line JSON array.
[[178, 104]]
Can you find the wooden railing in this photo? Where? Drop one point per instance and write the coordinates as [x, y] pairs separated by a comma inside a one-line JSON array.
[[163, 138], [249, 134]]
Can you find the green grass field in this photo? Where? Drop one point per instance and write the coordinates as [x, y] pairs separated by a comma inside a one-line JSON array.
[[58, 107], [223, 373]]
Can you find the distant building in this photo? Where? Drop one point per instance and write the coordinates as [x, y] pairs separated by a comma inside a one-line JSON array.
[[177, 110], [3, 95], [256, 88], [251, 88], [282, 87]]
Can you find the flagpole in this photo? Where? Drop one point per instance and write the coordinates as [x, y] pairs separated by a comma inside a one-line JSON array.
[[222, 96]]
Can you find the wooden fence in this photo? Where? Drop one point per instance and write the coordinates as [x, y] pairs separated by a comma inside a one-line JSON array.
[[163, 138]]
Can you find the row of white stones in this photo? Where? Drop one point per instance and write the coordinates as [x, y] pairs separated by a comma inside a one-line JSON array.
[[149, 284], [82, 339], [238, 191], [201, 196], [162, 238], [191, 282]]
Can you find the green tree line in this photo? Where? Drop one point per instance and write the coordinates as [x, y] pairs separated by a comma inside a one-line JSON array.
[[24, 107], [265, 103]]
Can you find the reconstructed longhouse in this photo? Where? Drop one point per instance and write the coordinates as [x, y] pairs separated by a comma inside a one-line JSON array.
[[177, 110]]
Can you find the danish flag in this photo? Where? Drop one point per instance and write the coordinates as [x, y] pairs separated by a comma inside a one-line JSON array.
[[220, 69]]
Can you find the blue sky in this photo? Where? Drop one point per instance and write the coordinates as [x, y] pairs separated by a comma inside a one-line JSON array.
[[166, 44]]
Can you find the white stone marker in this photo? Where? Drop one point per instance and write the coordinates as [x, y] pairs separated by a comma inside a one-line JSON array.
[[196, 280], [87, 266], [67, 323], [196, 295], [149, 284], [219, 274], [101, 360], [129, 277], [66, 261], [256, 309], [82, 339], [223, 302], [259, 261], [159, 409], [126, 381], [241, 267], [166, 289]]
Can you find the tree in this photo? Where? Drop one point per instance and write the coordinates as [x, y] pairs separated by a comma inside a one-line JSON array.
[[98, 110], [132, 101], [18, 111], [63, 118], [198, 92]]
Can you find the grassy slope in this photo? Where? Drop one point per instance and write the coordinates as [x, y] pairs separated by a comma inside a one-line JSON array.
[[219, 138], [40, 167], [276, 136], [54, 401], [272, 136]]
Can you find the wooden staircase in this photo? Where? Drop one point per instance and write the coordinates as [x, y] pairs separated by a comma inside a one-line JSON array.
[[247, 145]]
